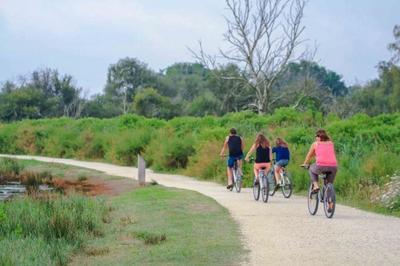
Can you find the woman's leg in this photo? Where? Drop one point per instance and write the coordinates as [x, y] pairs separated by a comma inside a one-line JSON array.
[[277, 173], [314, 172], [330, 177], [255, 169]]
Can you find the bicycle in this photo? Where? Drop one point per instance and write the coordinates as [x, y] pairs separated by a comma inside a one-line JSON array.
[[264, 188], [326, 195], [237, 177], [285, 183]]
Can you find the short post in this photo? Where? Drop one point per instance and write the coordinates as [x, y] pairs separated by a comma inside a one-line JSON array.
[[141, 170]]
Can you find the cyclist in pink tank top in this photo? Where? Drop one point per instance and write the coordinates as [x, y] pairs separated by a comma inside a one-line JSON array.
[[325, 159]]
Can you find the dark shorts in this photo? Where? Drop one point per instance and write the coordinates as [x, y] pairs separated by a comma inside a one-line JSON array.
[[231, 160], [316, 170], [282, 163]]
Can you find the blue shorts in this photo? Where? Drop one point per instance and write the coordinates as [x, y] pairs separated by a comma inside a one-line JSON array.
[[282, 163], [231, 160]]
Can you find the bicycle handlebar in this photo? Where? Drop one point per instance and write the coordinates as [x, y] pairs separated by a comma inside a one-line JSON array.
[[305, 166]]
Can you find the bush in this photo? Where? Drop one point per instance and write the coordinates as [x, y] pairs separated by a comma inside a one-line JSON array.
[[10, 167], [48, 230], [367, 147]]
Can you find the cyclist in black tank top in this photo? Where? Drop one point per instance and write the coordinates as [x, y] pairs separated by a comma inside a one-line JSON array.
[[235, 146], [263, 154]]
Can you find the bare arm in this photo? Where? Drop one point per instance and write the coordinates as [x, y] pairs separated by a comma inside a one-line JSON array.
[[270, 154], [253, 147], [224, 147], [310, 154]]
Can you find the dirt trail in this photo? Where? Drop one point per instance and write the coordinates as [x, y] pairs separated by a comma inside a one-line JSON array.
[[282, 232]]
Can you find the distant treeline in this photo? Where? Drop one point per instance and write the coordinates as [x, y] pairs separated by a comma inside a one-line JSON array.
[[190, 89]]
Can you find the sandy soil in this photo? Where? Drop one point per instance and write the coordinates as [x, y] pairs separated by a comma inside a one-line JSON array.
[[281, 232]]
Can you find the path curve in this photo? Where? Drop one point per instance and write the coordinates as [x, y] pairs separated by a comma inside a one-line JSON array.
[[282, 232]]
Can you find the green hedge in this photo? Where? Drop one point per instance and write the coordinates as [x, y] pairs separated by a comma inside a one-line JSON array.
[[368, 147]]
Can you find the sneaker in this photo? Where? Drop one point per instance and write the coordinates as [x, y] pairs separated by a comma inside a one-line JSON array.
[[330, 207], [256, 183], [229, 186]]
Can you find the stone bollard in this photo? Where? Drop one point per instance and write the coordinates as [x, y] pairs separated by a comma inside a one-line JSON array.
[[141, 170]]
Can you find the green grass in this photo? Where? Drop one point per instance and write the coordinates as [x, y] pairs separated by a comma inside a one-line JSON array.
[[150, 225], [63, 170], [47, 230], [165, 226]]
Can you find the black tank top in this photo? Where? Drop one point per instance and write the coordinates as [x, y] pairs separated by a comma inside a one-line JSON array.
[[235, 146], [262, 155]]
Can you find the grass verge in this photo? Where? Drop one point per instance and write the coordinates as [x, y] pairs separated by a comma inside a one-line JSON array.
[[165, 226]]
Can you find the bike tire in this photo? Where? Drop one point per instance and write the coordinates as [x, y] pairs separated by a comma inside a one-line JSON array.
[[272, 184], [265, 189], [238, 180], [287, 188], [312, 201], [238, 185], [256, 190], [330, 188], [233, 179]]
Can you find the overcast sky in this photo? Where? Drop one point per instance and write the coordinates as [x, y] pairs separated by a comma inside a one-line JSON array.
[[83, 37]]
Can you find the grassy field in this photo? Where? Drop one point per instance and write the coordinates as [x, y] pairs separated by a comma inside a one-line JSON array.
[[144, 225], [368, 148]]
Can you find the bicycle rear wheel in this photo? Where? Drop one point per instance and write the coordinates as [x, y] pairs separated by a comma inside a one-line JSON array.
[[256, 190], [286, 187], [272, 183], [329, 197], [312, 200], [264, 188]]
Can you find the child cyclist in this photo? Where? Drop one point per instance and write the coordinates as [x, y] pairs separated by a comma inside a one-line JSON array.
[[263, 154], [282, 156], [235, 145]]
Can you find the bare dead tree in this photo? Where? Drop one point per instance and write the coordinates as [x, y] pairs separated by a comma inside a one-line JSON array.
[[395, 46], [262, 36]]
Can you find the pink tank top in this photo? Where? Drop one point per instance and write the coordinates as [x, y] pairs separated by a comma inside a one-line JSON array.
[[325, 154]]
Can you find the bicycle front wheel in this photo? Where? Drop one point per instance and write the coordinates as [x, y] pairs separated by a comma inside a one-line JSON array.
[[286, 187], [329, 200], [312, 200], [233, 180], [256, 190], [238, 183], [264, 189]]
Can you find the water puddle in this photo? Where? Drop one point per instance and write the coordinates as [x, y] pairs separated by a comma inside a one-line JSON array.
[[12, 189]]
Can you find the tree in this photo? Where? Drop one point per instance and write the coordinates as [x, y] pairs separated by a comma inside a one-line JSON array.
[[205, 104], [43, 93], [125, 78], [227, 85], [395, 46], [306, 82], [263, 36], [189, 80], [150, 103], [100, 106]]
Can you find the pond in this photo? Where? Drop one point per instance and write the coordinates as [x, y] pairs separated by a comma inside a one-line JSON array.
[[12, 189]]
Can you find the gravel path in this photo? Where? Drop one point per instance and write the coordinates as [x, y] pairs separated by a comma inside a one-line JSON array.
[[281, 232]]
